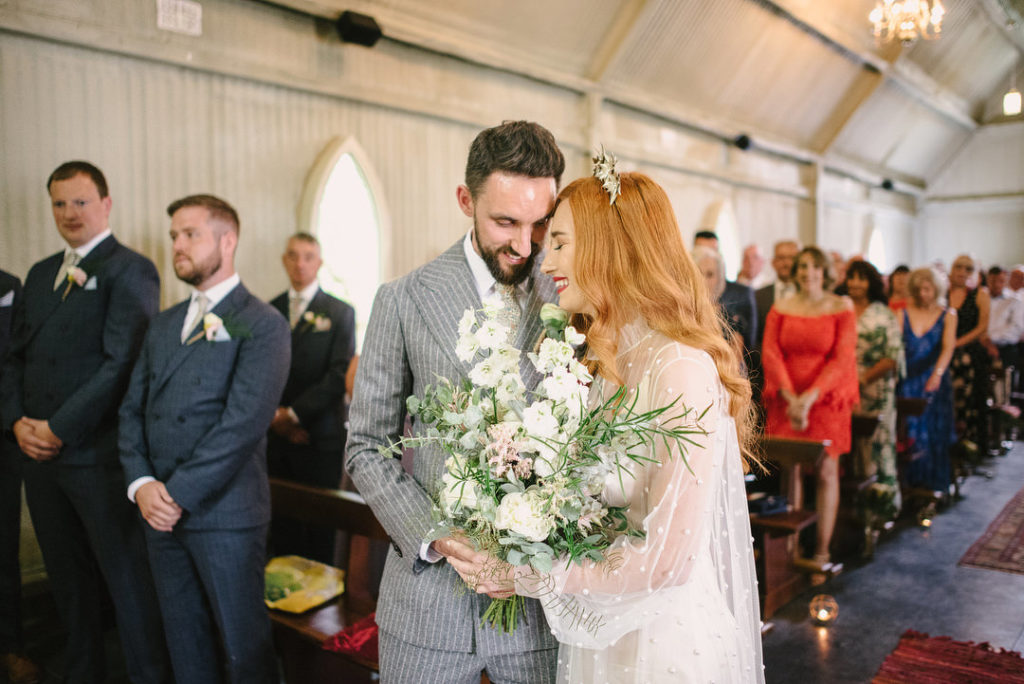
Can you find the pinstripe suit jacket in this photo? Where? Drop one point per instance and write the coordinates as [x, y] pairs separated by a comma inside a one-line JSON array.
[[410, 343]]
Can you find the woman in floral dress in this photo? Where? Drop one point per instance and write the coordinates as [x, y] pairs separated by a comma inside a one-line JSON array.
[[879, 356]]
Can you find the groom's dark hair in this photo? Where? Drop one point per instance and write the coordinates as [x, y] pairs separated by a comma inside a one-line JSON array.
[[518, 147]]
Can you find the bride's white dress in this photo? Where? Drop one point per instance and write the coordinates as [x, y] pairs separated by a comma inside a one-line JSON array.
[[681, 604]]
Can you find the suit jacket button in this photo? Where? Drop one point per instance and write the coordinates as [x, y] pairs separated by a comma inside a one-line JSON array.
[[156, 416], [398, 550], [181, 419], [152, 376], [196, 380]]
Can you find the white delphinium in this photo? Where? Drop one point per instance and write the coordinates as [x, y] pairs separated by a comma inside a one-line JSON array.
[[553, 354], [467, 347], [491, 333]]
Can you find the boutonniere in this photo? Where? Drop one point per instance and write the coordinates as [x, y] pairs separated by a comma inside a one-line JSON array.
[[213, 330], [76, 276], [316, 322]]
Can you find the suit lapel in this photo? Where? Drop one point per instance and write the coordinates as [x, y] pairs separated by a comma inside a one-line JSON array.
[[448, 290], [317, 305], [49, 299], [178, 352]]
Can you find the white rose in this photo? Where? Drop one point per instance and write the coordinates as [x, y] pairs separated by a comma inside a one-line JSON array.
[[458, 494], [523, 513], [539, 420]]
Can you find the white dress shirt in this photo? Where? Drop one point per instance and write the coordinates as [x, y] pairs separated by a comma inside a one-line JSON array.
[[306, 294], [84, 250], [214, 295], [1006, 319]]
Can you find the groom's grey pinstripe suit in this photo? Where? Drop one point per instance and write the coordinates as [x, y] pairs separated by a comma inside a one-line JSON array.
[[410, 343]]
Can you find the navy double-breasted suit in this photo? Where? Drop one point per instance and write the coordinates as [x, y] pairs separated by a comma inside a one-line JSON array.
[[71, 354], [195, 418], [323, 343]]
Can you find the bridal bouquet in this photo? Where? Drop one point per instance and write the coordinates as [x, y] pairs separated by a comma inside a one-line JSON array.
[[526, 470]]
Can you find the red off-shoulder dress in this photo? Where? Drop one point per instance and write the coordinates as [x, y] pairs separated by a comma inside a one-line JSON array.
[[801, 352]]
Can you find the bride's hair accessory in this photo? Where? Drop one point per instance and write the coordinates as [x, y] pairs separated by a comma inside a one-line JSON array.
[[604, 171]]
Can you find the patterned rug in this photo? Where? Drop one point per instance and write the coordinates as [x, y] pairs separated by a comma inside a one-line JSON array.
[[920, 659], [1002, 545]]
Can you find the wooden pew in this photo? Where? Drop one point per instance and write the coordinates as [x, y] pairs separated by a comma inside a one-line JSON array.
[[853, 533], [298, 637], [777, 536]]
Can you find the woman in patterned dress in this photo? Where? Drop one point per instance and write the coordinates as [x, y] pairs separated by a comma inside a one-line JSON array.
[[971, 363], [879, 355]]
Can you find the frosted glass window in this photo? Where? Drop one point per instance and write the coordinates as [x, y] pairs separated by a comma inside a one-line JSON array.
[[729, 240], [341, 207], [876, 251]]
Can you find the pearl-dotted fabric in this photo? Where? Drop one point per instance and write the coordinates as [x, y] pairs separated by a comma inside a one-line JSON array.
[[679, 605]]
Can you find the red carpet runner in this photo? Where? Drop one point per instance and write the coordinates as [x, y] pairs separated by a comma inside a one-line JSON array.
[[1002, 545], [920, 659]]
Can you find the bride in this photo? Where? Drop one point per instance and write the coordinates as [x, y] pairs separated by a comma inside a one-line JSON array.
[[680, 604]]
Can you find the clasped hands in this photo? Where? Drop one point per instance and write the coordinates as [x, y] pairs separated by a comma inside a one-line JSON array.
[[483, 572], [157, 506], [798, 408], [285, 425], [36, 439]]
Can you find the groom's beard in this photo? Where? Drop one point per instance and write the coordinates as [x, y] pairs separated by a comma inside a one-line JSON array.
[[518, 273]]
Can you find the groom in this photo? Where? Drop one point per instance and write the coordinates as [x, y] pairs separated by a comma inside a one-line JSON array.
[[429, 630]]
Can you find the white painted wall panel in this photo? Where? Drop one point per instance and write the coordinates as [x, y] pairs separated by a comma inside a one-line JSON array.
[[160, 132], [992, 162]]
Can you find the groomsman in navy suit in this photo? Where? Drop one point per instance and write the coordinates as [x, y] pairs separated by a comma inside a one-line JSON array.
[[19, 669], [193, 445], [307, 437], [77, 333]]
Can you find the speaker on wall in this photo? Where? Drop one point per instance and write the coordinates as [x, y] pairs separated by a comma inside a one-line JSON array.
[[357, 28]]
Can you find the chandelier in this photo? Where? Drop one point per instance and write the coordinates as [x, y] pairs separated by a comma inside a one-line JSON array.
[[907, 21]]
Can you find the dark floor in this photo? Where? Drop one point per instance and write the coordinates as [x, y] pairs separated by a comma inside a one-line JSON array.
[[913, 582]]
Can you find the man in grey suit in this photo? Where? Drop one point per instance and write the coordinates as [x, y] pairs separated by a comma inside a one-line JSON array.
[[193, 446], [429, 630], [77, 332]]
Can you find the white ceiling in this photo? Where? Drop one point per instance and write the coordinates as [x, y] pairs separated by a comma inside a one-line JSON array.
[[804, 75]]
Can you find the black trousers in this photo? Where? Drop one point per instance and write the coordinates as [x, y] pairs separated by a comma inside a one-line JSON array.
[[10, 530]]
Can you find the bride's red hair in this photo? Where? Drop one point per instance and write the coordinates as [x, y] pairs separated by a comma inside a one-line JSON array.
[[630, 262]]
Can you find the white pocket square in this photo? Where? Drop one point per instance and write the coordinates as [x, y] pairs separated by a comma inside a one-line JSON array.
[[90, 284], [7, 299], [221, 335]]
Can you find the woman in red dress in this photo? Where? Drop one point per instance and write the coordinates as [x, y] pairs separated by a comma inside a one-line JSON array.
[[810, 371]]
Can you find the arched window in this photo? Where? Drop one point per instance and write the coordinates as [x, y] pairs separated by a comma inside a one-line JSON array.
[[341, 205], [876, 252], [720, 218]]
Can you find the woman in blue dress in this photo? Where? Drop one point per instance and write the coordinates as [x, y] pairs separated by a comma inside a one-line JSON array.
[[929, 337]]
